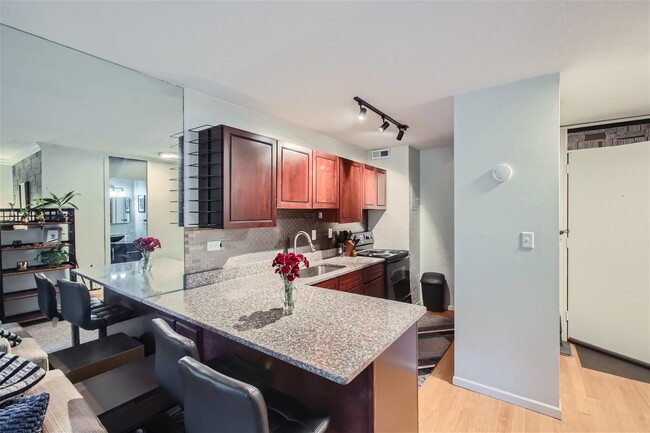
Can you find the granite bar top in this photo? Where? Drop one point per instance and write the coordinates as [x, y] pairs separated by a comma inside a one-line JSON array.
[[128, 279], [333, 334], [330, 333]]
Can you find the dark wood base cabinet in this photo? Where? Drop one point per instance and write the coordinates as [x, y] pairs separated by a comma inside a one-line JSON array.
[[369, 281]]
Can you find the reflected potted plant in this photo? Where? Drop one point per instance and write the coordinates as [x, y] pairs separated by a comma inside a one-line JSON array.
[[60, 203], [53, 257]]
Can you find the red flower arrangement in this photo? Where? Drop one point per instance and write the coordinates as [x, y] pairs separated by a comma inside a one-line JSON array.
[[288, 265], [147, 245]]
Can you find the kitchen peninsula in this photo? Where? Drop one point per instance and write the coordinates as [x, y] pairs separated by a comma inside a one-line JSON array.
[[352, 355]]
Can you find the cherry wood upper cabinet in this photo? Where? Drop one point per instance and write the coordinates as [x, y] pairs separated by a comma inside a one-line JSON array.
[[236, 179], [294, 177], [326, 180], [350, 191], [381, 188], [369, 187]]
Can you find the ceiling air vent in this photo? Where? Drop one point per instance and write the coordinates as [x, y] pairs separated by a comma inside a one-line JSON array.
[[380, 154]]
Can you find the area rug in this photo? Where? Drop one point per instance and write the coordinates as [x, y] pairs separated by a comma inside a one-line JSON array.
[[435, 335], [604, 363]]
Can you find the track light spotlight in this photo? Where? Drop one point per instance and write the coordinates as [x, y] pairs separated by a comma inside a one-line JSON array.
[[362, 112], [386, 120]]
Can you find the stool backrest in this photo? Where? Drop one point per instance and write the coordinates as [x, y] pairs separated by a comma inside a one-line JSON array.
[[170, 348], [46, 296], [75, 303], [217, 403]]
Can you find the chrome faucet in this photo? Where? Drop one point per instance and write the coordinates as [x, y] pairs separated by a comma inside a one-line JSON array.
[[295, 241]]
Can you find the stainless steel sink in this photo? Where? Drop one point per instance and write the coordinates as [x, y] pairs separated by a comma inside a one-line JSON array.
[[319, 270]]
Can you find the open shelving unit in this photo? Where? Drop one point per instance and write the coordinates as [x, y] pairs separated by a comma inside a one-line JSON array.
[[18, 296]]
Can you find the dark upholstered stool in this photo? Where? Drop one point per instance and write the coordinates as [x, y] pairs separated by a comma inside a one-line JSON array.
[[47, 301], [77, 308], [217, 403], [171, 347]]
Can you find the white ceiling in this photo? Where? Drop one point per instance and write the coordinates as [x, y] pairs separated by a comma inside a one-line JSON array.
[[304, 61]]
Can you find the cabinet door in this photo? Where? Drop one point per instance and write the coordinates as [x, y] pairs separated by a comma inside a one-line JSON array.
[[294, 177], [350, 191], [326, 180], [190, 331], [332, 284], [381, 188], [352, 281], [375, 288], [249, 180], [369, 187]]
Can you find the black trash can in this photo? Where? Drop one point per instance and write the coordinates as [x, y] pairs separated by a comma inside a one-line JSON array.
[[433, 285]]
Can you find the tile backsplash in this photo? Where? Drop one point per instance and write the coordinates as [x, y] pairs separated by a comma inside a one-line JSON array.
[[245, 246]]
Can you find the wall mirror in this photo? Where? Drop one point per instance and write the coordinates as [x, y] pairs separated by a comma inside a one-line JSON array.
[[65, 117]]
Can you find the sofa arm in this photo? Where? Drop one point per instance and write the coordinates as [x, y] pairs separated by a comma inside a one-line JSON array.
[[5, 346]]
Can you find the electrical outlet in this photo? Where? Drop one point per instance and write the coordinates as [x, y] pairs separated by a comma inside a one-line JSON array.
[[313, 235], [330, 233], [215, 246]]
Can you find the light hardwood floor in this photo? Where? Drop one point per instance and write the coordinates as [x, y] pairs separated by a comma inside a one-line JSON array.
[[591, 402]]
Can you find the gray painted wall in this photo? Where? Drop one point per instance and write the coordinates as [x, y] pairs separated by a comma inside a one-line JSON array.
[[437, 215], [507, 297]]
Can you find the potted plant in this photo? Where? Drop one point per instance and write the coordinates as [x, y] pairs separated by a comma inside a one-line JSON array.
[[37, 207], [146, 247], [53, 257], [60, 203], [24, 213]]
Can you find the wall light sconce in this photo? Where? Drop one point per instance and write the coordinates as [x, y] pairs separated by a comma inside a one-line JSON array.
[[502, 172]]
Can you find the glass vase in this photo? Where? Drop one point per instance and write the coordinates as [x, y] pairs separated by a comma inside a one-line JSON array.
[[289, 297], [146, 261]]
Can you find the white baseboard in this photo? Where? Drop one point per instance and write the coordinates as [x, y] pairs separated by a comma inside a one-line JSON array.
[[450, 307], [537, 406]]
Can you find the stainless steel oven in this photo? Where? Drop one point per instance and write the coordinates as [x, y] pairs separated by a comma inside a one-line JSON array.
[[397, 267]]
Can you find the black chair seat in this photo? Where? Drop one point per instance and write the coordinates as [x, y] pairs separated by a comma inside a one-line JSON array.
[[287, 414], [105, 315]]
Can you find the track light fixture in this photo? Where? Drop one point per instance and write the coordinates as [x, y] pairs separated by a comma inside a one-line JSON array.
[[386, 119], [362, 112]]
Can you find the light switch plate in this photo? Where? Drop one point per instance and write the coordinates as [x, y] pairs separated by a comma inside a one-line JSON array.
[[313, 235], [527, 240], [330, 233], [215, 246]]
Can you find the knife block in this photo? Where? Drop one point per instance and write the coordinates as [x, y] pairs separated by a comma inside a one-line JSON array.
[[350, 249]]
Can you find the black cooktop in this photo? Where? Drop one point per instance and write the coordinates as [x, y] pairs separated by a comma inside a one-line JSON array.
[[383, 254]]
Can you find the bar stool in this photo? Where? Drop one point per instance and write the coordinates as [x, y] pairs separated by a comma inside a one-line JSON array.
[[47, 301], [217, 403], [76, 309], [171, 347]]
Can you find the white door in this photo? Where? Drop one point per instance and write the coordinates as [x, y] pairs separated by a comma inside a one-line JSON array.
[[609, 248]]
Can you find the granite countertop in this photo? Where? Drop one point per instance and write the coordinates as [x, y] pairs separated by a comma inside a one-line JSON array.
[[128, 279], [330, 333]]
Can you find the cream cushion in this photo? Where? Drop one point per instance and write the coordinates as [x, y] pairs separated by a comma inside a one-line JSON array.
[[68, 411]]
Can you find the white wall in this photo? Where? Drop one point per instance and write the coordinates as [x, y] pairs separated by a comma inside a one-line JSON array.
[[6, 185], [66, 169], [507, 327], [437, 215], [159, 217]]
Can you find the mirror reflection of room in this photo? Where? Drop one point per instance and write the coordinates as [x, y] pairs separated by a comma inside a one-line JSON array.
[[128, 207]]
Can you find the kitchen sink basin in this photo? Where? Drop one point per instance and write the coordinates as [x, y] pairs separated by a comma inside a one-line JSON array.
[[319, 270]]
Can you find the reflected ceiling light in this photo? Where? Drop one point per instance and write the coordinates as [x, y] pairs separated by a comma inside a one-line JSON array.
[[386, 119], [168, 155], [362, 112]]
